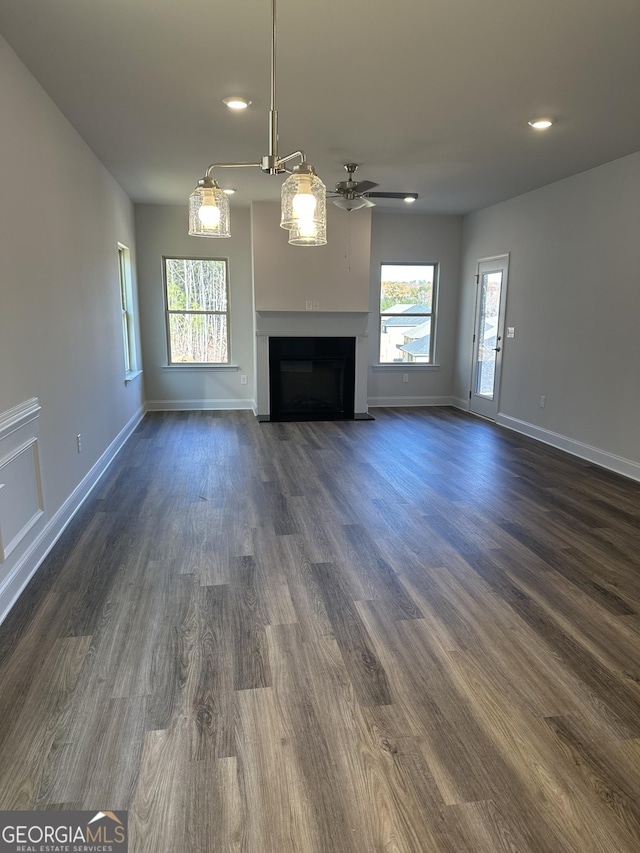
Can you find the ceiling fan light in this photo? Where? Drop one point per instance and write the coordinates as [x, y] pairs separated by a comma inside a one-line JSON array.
[[208, 210], [352, 203], [303, 202]]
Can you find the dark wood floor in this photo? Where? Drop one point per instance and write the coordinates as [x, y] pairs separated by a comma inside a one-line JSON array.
[[413, 635]]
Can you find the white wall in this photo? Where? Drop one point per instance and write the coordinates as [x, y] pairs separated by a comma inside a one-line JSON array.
[[413, 238], [344, 278], [574, 300], [335, 276], [61, 217], [161, 230]]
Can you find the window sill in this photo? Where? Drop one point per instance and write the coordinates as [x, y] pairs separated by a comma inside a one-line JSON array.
[[131, 375], [405, 367], [200, 366]]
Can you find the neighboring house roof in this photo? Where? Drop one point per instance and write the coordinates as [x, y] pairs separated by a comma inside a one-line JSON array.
[[403, 308], [418, 347], [419, 331]]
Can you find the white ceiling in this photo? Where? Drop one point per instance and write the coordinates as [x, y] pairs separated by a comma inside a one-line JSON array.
[[431, 97]]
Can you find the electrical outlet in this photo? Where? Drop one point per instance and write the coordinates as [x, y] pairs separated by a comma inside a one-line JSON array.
[[543, 401], [511, 331], [79, 442], [405, 377], [316, 304], [309, 305], [243, 379]]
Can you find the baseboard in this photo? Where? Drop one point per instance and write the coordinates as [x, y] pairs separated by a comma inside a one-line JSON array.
[[460, 403], [619, 464], [197, 405], [399, 402], [13, 585]]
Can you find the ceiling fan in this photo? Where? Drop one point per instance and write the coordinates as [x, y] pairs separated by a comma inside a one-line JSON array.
[[352, 195]]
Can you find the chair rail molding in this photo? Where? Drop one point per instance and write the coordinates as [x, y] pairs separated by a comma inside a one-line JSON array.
[[19, 416]]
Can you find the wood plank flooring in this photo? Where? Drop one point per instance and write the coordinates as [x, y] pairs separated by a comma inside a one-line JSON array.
[[419, 634]]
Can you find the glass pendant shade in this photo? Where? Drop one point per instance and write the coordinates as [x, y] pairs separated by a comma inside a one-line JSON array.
[[208, 210], [308, 236], [304, 207]]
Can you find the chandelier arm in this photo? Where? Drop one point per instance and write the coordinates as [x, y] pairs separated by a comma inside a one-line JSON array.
[[300, 154], [229, 166]]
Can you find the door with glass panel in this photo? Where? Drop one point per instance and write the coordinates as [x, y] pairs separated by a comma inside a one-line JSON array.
[[488, 338]]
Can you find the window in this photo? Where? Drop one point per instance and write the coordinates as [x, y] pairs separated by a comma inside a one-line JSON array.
[[197, 300], [407, 313], [127, 309]]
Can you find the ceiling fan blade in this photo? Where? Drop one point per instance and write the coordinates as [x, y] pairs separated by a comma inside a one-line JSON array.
[[392, 195], [364, 186]]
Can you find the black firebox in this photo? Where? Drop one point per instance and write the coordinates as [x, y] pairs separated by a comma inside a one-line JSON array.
[[312, 379]]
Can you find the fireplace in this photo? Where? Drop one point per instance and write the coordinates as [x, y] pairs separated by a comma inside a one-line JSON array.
[[316, 326], [312, 378]]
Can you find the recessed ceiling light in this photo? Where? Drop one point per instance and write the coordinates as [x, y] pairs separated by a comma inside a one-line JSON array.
[[540, 123], [236, 103], [228, 191], [409, 199]]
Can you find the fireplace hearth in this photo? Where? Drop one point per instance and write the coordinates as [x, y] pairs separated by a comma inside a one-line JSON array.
[[312, 378]]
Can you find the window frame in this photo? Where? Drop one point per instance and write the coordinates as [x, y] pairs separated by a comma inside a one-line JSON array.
[[169, 312], [128, 313], [432, 315]]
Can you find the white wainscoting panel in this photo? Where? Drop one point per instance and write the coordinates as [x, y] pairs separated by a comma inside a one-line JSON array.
[[30, 543], [21, 495], [21, 503]]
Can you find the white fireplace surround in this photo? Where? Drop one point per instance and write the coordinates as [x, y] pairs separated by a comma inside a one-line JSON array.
[[311, 324]]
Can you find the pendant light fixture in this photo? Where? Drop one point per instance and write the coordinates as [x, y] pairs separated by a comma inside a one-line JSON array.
[[304, 203], [303, 197], [208, 210]]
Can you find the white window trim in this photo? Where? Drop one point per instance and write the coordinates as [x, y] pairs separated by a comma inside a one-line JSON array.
[[131, 375], [214, 365], [433, 314], [128, 313], [404, 366], [200, 365]]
